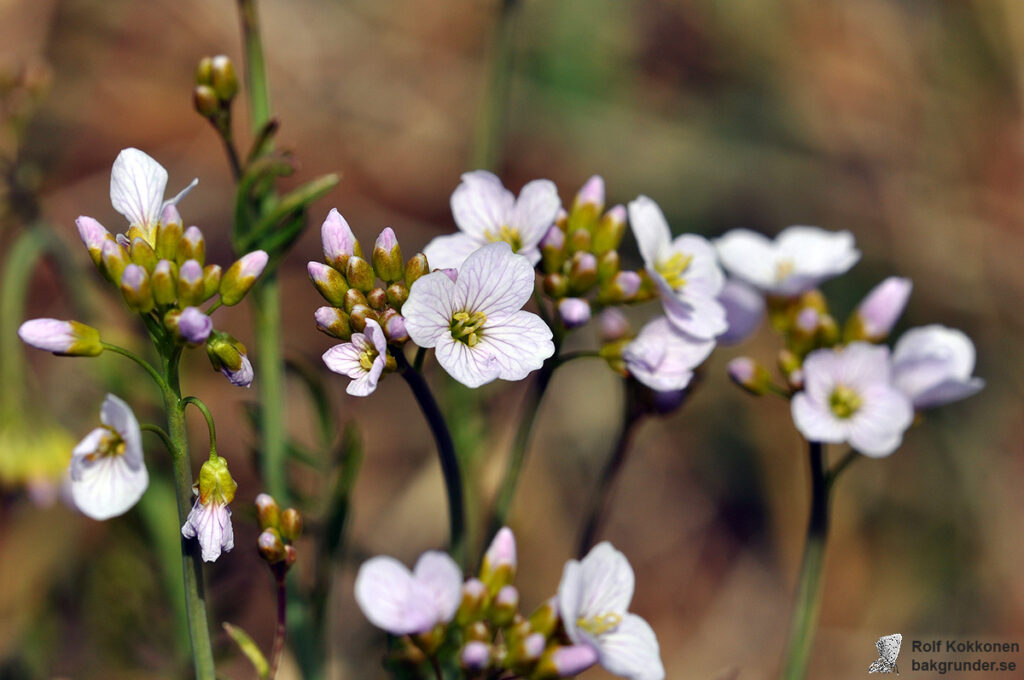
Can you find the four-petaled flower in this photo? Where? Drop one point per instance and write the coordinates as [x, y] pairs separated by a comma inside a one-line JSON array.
[[684, 270], [108, 474], [361, 359], [476, 323], [798, 259], [663, 358], [403, 602], [137, 185], [849, 396], [932, 365], [485, 212], [593, 602]]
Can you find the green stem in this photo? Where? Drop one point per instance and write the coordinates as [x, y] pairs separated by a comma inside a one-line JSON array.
[[843, 463], [445, 451], [270, 380], [159, 432], [490, 129], [17, 275], [148, 367], [191, 564], [255, 67], [808, 594], [198, 403]]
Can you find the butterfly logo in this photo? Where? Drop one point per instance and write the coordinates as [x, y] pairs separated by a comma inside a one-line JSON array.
[[888, 649]]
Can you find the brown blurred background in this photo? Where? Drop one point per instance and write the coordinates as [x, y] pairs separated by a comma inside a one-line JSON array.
[[900, 121]]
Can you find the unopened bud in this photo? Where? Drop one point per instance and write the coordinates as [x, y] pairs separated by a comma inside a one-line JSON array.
[[416, 267], [579, 241], [609, 230], [552, 249], [387, 257], [398, 293], [66, 338], [291, 525], [168, 235], [360, 274], [607, 265], [268, 512], [479, 630], [143, 254], [338, 241], [204, 71], [623, 287], [528, 650], [354, 297], [544, 618], [115, 259], [205, 100], [475, 656], [241, 275], [194, 325], [556, 285], [190, 283], [328, 282], [583, 274], [192, 246], [358, 316], [223, 78], [377, 298], [591, 196], [136, 290], [393, 324], [790, 365], [474, 601], [333, 322], [291, 555], [93, 235], [504, 605], [499, 564], [564, 662], [574, 312], [613, 325], [750, 375], [879, 311], [271, 546], [163, 282], [211, 280]]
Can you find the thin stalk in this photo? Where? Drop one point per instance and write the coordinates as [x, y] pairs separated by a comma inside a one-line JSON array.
[[597, 508], [191, 564], [271, 382], [446, 454], [159, 432], [255, 67], [17, 275], [282, 621], [198, 403], [145, 365], [808, 594]]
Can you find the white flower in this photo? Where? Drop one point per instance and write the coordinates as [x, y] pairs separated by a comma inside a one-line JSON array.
[[593, 602], [403, 602], [663, 358], [210, 518], [797, 260], [485, 212], [685, 271], [137, 185], [108, 474], [933, 364], [476, 324], [361, 359], [849, 396]]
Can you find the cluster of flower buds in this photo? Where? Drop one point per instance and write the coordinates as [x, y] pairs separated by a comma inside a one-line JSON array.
[[279, 529], [580, 258], [216, 87], [365, 294]]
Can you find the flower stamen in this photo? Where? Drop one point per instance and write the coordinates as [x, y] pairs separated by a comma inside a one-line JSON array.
[[367, 357], [509, 235], [844, 402], [673, 268], [600, 624], [466, 327]]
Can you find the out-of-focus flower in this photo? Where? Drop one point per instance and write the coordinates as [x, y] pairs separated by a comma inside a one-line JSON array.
[[744, 309], [663, 358], [137, 185], [685, 271], [849, 396], [228, 356], [108, 474], [210, 518], [613, 325], [593, 601], [362, 359], [933, 364], [34, 457], [485, 212], [476, 324], [403, 602], [798, 259], [61, 337], [574, 312], [880, 309]]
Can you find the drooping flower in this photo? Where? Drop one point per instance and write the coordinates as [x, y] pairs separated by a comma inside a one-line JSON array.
[[880, 309], [797, 260], [61, 337], [663, 358], [486, 212], [933, 364], [476, 323], [744, 309], [362, 359], [137, 185], [403, 602], [849, 396], [593, 602], [108, 474], [685, 271], [210, 518], [228, 356]]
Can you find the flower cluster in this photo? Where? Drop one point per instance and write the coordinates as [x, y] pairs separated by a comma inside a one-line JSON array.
[[279, 529], [845, 386], [478, 622]]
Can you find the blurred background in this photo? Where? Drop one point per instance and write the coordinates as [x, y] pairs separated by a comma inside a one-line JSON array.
[[900, 121]]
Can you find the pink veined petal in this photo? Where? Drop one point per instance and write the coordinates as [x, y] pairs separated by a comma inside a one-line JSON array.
[[663, 358], [494, 281], [137, 185], [535, 211], [375, 335], [441, 576], [118, 415], [107, 486], [344, 359], [450, 251], [877, 428], [469, 365], [519, 343], [570, 598], [389, 597], [429, 309], [211, 526], [365, 384], [701, 317], [863, 365], [650, 229], [815, 422], [631, 650], [608, 582], [481, 205]]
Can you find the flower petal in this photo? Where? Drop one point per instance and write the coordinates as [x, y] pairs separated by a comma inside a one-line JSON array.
[[137, 185], [494, 280], [701, 317], [118, 415], [519, 343], [429, 309], [441, 576], [608, 582], [748, 256], [481, 205], [471, 366], [650, 229], [390, 598], [877, 428], [570, 599], [106, 486], [744, 308], [631, 650], [211, 525], [663, 358], [535, 211], [451, 250], [815, 422]]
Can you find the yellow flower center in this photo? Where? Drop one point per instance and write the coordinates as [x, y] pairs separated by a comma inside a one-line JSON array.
[[367, 357], [598, 625], [673, 268], [844, 402], [784, 269], [109, 445], [509, 235], [467, 327]]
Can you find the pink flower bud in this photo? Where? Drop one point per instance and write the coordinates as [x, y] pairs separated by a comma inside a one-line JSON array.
[[742, 370], [574, 312], [554, 238], [502, 551], [61, 337], [574, 659], [592, 193], [613, 325], [170, 215], [93, 235], [337, 239], [194, 325], [628, 282], [883, 306], [394, 328], [475, 655], [807, 320]]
